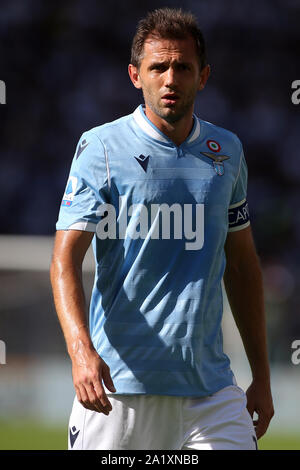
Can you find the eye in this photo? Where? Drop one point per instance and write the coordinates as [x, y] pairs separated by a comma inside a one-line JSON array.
[[158, 67], [183, 67]]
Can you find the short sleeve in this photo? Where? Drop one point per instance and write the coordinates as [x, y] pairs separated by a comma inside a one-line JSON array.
[[238, 213], [86, 188]]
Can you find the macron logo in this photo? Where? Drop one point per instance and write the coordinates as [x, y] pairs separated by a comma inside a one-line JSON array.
[[73, 435], [83, 145], [143, 161]]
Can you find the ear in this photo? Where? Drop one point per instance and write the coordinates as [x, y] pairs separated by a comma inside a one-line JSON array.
[[204, 74], [134, 76]]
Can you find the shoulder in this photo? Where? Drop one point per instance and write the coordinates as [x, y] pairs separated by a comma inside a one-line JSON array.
[[222, 136], [92, 142], [109, 128]]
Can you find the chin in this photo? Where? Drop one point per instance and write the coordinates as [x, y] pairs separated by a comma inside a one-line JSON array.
[[170, 111], [171, 115]]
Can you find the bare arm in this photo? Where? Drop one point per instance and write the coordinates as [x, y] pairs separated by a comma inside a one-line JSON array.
[[244, 288], [88, 368]]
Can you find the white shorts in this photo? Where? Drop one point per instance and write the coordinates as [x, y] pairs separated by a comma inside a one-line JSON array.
[[159, 422]]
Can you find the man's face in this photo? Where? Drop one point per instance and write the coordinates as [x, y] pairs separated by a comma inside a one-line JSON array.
[[169, 76]]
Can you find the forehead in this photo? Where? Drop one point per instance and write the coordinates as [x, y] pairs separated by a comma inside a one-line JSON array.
[[166, 49]]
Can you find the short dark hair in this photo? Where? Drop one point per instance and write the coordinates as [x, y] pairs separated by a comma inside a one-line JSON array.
[[167, 23]]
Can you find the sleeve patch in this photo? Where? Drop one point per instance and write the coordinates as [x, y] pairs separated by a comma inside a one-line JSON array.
[[238, 215], [70, 191]]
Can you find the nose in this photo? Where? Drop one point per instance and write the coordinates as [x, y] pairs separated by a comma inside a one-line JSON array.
[[170, 77]]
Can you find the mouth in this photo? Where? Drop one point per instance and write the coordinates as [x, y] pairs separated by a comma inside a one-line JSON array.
[[170, 98]]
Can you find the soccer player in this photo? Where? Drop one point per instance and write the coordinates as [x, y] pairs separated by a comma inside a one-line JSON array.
[[161, 194]]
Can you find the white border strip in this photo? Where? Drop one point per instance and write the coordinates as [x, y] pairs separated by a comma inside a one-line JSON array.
[[146, 127], [237, 204], [239, 227], [107, 167], [85, 226], [196, 132]]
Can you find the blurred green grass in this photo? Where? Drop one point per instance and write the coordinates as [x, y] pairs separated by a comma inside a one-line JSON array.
[[280, 441], [30, 435]]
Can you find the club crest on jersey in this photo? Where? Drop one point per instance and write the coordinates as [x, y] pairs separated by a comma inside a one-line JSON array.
[[215, 156]]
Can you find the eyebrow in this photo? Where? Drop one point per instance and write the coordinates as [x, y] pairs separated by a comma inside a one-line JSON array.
[[157, 64], [152, 65]]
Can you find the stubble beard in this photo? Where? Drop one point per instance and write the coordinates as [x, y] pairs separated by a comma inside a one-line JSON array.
[[169, 114]]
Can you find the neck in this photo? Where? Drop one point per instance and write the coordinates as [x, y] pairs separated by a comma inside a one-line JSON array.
[[177, 131]]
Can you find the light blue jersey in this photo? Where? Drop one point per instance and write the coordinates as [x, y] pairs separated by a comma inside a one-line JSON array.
[[160, 214]]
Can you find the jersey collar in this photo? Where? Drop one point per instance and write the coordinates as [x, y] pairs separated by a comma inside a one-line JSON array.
[[152, 131]]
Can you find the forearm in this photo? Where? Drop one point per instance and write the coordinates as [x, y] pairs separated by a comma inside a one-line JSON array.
[[69, 299], [244, 288], [89, 370]]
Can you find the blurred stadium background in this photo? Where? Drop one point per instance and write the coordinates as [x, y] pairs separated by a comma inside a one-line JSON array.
[[65, 69]]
